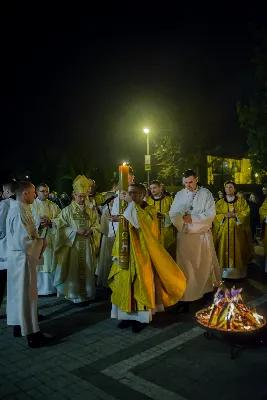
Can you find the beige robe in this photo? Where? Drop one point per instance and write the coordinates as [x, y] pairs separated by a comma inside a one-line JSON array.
[[195, 249]]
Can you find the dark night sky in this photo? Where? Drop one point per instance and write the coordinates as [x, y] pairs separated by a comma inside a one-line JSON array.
[[94, 80]]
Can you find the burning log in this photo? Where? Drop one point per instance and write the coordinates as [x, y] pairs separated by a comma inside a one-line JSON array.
[[229, 312]]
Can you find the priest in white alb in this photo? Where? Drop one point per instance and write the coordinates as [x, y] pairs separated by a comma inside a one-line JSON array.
[[192, 213], [45, 214], [76, 245], [24, 249]]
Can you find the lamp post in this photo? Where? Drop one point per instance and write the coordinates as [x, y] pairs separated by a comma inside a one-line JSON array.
[[147, 156]]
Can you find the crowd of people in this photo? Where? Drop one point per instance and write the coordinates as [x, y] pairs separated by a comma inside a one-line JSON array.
[[150, 249]]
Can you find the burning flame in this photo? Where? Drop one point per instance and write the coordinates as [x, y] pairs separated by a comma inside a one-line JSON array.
[[229, 312]]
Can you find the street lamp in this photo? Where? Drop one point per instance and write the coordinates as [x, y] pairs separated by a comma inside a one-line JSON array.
[[147, 156]]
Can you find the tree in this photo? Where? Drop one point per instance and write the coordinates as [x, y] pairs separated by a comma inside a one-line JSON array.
[[168, 158], [174, 156], [73, 163], [253, 116]]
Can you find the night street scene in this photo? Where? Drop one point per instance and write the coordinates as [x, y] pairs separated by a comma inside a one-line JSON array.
[[133, 202]]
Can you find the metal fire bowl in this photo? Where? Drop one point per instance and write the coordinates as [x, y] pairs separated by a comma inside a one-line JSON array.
[[241, 337]]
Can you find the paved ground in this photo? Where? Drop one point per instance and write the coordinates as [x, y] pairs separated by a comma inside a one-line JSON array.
[[93, 359]]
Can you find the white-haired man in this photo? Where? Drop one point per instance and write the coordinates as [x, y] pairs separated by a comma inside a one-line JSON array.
[[76, 245]]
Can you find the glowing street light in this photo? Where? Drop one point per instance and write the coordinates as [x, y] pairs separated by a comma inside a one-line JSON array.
[[147, 156], [27, 176], [256, 175]]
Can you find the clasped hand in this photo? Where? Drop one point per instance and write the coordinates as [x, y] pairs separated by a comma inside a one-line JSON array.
[[114, 218], [231, 214], [85, 232], [44, 222], [187, 218]]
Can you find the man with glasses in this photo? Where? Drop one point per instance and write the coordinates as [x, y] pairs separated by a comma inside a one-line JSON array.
[[151, 280], [45, 214]]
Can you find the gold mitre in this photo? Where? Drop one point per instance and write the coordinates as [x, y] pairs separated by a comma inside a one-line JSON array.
[[80, 184]]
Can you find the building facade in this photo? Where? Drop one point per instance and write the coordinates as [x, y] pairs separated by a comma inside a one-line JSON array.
[[220, 169]]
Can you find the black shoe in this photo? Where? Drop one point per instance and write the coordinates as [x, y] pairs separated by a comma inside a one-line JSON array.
[[41, 317], [125, 324], [209, 296], [83, 303], [17, 331], [38, 339], [138, 326], [183, 307]]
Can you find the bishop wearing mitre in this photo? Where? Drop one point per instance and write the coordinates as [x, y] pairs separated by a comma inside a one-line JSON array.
[[75, 247]]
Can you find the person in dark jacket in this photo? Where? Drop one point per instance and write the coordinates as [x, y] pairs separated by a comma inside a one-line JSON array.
[[53, 197], [64, 200], [254, 205]]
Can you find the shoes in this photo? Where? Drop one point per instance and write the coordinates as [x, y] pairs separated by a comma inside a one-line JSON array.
[[17, 331], [138, 326], [183, 307], [125, 324], [84, 303], [209, 296], [38, 339], [41, 317]]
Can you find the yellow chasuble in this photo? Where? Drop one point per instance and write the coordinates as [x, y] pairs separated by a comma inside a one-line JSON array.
[[152, 277], [230, 238], [167, 231], [75, 255], [92, 202]]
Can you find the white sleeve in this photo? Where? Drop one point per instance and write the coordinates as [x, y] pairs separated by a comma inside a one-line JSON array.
[[176, 215], [4, 207], [116, 207], [21, 240], [207, 217], [131, 216]]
